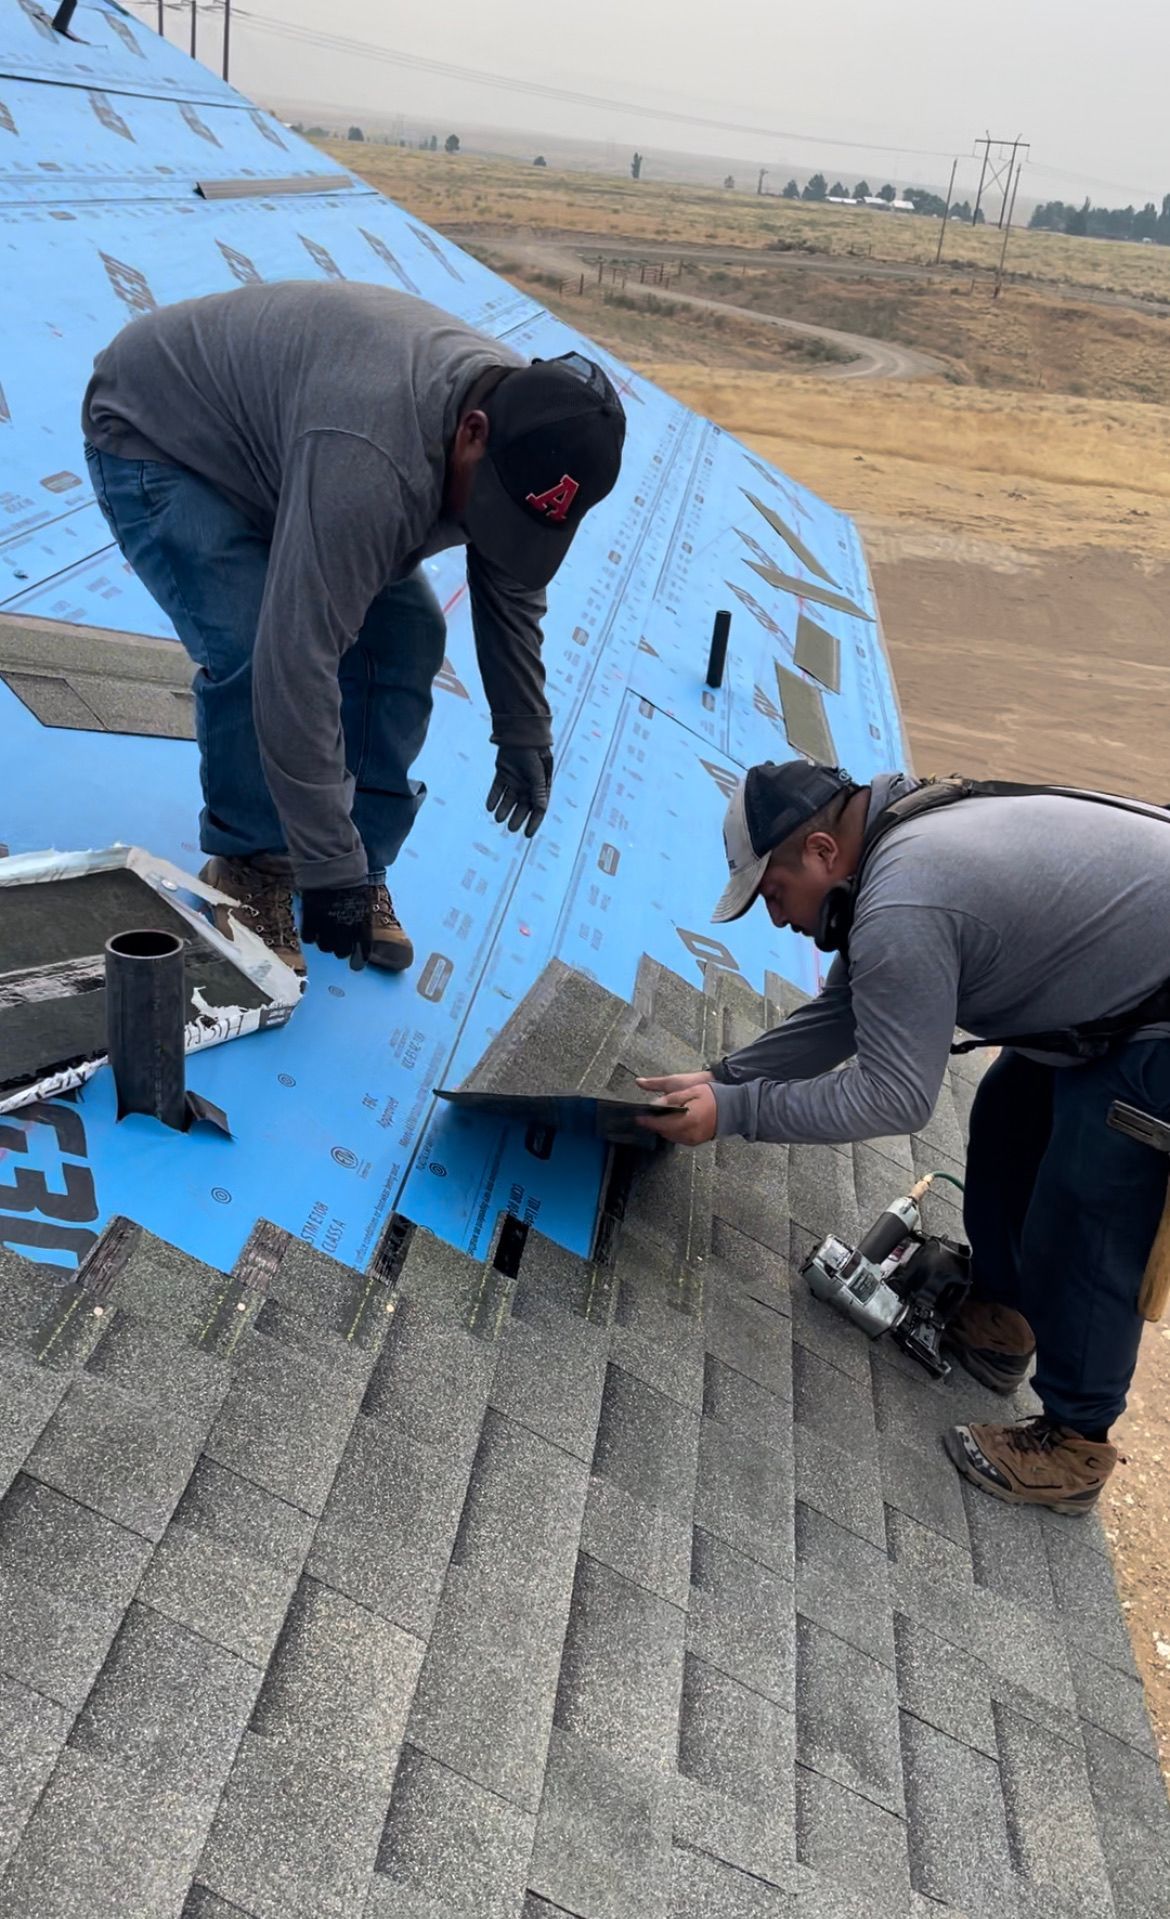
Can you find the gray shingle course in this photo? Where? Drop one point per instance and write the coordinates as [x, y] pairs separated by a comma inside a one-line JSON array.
[[843, 1584], [833, 1404], [455, 1290], [339, 1687], [285, 1422], [748, 1336], [735, 1796], [1050, 1818], [123, 1453], [603, 1836], [431, 1378], [760, 1417], [847, 1716], [167, 1705], [29, 1396], [151, 1359], [675, 1005], [103, 1840], [291, 1839], [450, 1848], [744, 1493], [751, 1188], [925, 1485], [156, 1282], [1111, 1702], [740, 1619], [390, 1522], [944, 1686], [706, 1888], [959, 1848], [1086, 1600], [551, 1366], [672, 1197], [33, 1730], [657, 1334], [1133, 1818], [642, 1487], [485, 1697], [335, 1298], [1008, 1549], [56, 1645], [45, 1315], [821, 1194], [843, 1486], [66, 1548], [621, 1667], [1021, 1649], [851, 1841], [762, 1270]]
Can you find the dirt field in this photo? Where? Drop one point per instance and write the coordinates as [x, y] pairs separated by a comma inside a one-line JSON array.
[[1015, 512]]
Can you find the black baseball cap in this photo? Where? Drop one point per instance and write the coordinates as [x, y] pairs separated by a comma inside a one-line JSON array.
[[556, 432], [772, 802]]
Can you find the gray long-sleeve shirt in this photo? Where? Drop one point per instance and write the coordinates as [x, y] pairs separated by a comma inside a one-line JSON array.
[[998, 916], [324, 413]]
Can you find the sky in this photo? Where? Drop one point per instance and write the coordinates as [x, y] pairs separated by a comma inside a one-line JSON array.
[[895, 89]]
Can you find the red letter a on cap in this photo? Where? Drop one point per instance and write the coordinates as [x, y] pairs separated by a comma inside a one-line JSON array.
[[556, 502]]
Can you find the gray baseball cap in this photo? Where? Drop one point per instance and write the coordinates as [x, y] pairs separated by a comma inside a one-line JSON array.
[[772, 802]]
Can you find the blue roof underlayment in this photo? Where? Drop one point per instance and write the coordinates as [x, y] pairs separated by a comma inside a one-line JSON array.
[[102, 140]]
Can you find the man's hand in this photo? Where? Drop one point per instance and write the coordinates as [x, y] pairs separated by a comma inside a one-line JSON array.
[[519, 793], [688, 1117], [675, 1082], [337, 919]]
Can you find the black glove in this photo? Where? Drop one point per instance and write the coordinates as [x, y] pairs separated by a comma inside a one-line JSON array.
[[337, 919], [521, 787]]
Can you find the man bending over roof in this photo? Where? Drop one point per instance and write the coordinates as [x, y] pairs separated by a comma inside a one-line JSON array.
[[1039, 921], [275, 463]]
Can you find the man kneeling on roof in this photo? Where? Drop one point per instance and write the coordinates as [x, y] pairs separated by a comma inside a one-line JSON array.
[[1038, 921], [275, 464]]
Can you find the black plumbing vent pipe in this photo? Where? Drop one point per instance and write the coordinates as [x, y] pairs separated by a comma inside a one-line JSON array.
[[717, 659], [145, 1020]]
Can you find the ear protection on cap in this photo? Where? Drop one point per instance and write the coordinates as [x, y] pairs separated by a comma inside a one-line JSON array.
[[835, 919]]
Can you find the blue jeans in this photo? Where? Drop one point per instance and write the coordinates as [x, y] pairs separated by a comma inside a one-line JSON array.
[[206, 565], [1061, 1212]]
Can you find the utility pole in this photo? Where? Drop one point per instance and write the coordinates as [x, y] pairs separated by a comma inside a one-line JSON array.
[[1007, 232], [1001, 167], [227, 33], [946, 212], [161, 23], [193, 20], [760, 181]]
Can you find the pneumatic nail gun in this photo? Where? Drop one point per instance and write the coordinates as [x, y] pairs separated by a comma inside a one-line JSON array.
[[899, 1280]]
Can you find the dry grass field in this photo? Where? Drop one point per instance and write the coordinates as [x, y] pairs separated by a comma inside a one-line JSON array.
[[1016, 508]]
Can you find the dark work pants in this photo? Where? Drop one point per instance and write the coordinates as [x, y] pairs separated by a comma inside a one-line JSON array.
[[1061, 1212]]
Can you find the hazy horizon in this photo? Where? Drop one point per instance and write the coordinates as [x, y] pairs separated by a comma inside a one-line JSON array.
[[880, 91]]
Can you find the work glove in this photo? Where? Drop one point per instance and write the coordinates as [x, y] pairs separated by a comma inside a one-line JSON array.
[[519, 793], [337, 919]]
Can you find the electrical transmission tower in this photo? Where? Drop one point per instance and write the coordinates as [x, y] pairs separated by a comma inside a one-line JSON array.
[[998, 170]]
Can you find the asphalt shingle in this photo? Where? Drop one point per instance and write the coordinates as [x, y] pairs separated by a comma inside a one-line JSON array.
[[960, 1853], [740, 1618], [450, 1849], [642, 1487], [1054, 1834], [621, 1667], [847, 1717], [850, 1840], [843, 1584], [735, 1796], [33, 1730], [603, 1841], [285, 1422]]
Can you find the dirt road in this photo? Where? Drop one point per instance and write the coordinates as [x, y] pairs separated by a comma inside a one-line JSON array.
[[868, 359]]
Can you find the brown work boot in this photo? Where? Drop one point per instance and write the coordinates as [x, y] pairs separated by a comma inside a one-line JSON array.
[[993, 1343], [1034, 1463], [392, 948], [262, 890]]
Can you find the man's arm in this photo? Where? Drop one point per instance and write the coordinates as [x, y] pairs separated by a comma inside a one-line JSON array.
[[903, 980], [506, 620], [340, 528]]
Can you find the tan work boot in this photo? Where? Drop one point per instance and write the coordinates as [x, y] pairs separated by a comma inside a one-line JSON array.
[[1034, 1463], [392, 948], [993, 1343], [263, 896]]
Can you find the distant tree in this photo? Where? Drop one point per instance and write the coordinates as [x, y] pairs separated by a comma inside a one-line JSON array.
[[979, 218], [791, 191], [888, 193], [295, 127], [432, 145], [924, 202], [961, 210], [729, 183], [861, 190], [451, 143], [1077, 221], [316, 133], [816, 188], [636, 166], [355, 133], [838, 192], [540, 161]]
